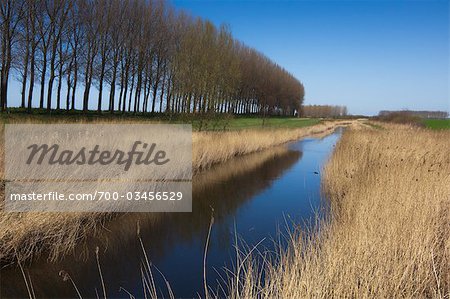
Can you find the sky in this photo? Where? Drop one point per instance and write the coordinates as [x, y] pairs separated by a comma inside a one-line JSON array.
[[367, 55]]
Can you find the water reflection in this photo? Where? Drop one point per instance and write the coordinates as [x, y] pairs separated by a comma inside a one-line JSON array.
[[173, 240], [250, 195]]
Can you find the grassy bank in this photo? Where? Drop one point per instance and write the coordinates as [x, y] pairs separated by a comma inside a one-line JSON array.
[[388, 232], [25, 235]]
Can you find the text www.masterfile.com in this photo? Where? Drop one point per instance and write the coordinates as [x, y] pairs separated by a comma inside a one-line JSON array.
[[99, 196]]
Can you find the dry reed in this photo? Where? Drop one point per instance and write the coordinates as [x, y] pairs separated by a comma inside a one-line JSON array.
[[388, 232]]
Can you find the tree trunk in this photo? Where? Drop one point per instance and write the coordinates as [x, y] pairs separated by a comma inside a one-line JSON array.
[[69, 85], [52, 75], [44, 71], [100, 89], [131, 91], [30, 91], [25, 75], [75, 81], [113, 87]]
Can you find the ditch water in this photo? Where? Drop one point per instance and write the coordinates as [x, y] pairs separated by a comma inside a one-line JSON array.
[[254, 197]]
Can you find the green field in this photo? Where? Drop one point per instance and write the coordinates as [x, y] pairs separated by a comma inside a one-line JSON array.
[[249, 123], [437, 124], [216, 122]]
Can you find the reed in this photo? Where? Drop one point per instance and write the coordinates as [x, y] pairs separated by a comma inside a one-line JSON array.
[[388, 231]]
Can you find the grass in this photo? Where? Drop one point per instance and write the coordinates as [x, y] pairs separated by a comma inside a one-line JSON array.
[[210, 148], [374, 125], [388, 232], [248, 123], [25, 235], [437, 124], [219, 122]]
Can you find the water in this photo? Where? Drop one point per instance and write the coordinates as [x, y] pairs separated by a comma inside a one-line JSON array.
[[254, 197]]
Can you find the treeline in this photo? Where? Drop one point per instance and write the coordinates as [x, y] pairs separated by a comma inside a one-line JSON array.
[[421, 114], [135, 56], [323, 111]]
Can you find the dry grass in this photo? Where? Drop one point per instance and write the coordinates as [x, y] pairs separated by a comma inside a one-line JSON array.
[[26, 235], [216, 147], [388, 233]]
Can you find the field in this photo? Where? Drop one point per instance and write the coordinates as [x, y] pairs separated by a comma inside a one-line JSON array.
[[213, 123], [388, 232], [248, 123], [437, 124]]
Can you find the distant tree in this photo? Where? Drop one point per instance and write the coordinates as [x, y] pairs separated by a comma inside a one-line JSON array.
[[421, 114], [324, 111]]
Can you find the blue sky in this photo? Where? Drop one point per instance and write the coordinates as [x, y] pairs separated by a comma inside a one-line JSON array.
[[367, 55]]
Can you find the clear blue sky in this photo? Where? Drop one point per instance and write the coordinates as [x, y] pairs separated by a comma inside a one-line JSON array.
[[367, 55]]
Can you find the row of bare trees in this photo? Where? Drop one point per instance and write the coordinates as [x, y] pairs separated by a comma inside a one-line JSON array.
[[323, 111], [134, 56]]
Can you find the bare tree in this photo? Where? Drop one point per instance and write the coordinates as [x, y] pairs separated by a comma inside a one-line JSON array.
[[57, 13], [11, 12], [88, 12]]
